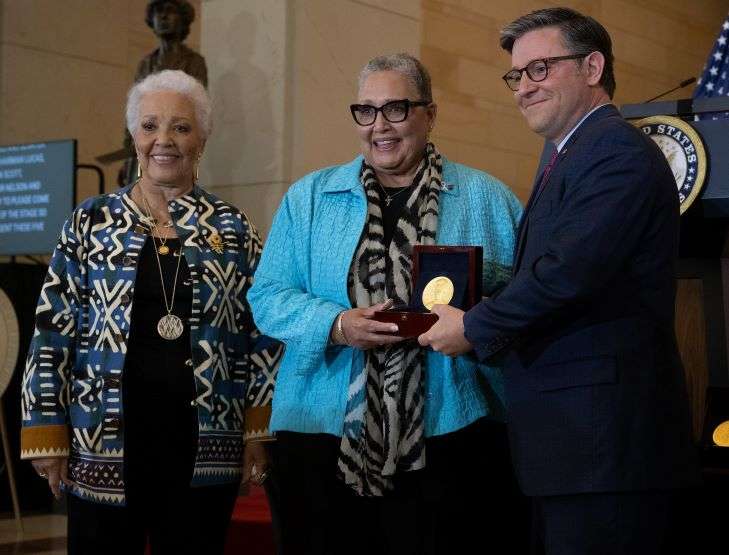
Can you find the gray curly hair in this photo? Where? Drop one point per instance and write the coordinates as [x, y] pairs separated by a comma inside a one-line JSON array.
[[402, 62]]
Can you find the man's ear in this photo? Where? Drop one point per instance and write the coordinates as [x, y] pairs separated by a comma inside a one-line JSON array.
[[593, 66]]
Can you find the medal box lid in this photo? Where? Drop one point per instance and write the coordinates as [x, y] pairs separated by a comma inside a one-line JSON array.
[[462, 265]]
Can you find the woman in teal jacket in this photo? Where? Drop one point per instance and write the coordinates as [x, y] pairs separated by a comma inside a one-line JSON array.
[[374, 431]]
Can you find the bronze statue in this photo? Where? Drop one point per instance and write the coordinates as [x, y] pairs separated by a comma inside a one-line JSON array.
[[170, 20]]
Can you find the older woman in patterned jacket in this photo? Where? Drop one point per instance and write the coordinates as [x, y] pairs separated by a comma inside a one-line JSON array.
[[382, 446], [146, 375]]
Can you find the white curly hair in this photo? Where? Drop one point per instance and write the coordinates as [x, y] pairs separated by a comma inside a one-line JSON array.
[[176, 81]]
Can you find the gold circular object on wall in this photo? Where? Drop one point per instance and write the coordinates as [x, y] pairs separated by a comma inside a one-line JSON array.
[[721, 434], [9, 340], [439, 290], [684, 151]]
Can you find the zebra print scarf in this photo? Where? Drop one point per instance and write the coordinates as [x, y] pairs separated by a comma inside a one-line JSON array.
[[383, 425]]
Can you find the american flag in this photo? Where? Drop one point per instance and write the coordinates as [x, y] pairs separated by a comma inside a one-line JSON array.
[[714, 79]]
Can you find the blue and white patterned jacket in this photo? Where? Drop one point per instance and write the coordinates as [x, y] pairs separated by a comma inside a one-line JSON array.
[[71, 391]]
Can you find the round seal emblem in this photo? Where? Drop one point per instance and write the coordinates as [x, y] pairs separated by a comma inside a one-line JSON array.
[[9, 340], [684, 151]]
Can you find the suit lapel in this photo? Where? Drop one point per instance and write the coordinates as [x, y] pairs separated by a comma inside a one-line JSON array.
[[523, 223], [537, 192]]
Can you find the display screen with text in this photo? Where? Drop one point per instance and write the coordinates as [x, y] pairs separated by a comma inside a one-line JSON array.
[[37, 194]]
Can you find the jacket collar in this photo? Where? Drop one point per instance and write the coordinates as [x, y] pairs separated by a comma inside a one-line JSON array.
[[346, 178], [183, 210], [603, 112]]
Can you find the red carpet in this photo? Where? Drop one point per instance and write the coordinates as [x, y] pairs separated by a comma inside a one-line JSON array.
[[250, 526]]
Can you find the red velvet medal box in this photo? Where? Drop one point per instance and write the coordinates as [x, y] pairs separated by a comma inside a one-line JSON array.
[[461, 264]]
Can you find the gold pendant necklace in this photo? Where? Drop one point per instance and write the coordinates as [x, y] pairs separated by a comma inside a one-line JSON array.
[[170, 326], [163, 248]]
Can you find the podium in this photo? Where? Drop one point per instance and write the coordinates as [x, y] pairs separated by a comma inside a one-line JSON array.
[[702, 301], [702, 307]]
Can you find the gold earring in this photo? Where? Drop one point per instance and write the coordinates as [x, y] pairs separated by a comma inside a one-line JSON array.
[[197, 169], [139, 170]]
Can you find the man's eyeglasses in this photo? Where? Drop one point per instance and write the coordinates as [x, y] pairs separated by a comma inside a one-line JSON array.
[[537, 70], [394, 111]]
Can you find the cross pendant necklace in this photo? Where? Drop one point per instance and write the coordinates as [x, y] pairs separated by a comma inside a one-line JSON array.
[[388, 197]]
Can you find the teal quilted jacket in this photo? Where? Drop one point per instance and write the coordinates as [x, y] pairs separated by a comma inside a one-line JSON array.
[[301, 285]]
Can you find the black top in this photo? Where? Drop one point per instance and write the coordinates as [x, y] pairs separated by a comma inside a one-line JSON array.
[[390, 214], [158, 382]]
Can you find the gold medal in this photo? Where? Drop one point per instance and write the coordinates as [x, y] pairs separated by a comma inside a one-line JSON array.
[[163, 249], [438, 291], [721, 434]]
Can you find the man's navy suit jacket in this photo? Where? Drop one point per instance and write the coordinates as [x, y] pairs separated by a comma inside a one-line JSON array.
[[594, 383]]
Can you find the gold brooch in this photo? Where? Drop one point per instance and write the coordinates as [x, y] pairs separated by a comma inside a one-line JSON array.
[[216, 243]]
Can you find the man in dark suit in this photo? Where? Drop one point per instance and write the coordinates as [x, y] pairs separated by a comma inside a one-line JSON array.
[[598, 414]]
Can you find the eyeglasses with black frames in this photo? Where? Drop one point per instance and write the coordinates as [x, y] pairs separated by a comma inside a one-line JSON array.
[[537, 70], [394, 111]]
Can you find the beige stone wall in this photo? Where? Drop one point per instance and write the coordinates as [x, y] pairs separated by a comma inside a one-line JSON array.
[[283, 73], [245, 44], [65, 67], [332, 40], [657, 43]]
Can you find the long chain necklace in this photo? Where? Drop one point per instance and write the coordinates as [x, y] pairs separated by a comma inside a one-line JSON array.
[[170, 325], [388, 197]]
